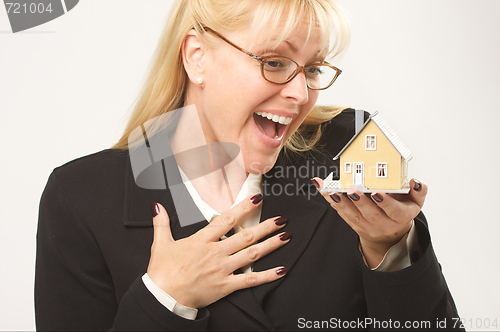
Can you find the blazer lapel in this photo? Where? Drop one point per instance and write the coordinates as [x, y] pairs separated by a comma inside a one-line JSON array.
[[245, 300], [138, 202], [303, 216]]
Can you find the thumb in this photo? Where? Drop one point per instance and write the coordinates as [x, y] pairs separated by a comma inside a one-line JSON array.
[[161, 224], [418, 192], [318, 183]]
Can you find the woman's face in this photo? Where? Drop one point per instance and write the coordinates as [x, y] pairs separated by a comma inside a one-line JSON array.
[[235, 101]]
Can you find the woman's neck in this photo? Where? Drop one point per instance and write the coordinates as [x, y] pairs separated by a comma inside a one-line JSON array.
[[216, 170]]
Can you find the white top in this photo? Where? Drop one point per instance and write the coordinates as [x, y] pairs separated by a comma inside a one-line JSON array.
[[251, 186]]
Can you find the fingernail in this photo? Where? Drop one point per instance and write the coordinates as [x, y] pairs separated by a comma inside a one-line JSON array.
[[417, 186], [355, 197], [280, 221], [255, 199], [281, 271], [335, 197], [285, 236], [155, 209], [316, 183], [377, 197]]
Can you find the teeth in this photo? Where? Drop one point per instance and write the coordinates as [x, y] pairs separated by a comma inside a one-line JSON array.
[[275, 118]]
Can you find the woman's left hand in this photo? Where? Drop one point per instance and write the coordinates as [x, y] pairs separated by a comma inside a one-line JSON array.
[[381, 221]]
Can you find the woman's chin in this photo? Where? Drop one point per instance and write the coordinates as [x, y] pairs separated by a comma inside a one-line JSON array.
[[260, 166]]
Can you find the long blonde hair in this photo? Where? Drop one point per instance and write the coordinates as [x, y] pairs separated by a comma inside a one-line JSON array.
[[166, 81]]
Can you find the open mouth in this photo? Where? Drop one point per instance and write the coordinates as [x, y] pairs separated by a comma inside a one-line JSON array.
[[271, 125]]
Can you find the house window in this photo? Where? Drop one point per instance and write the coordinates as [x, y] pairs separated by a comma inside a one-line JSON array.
[[371, 142], [381, 170], [348, 168]]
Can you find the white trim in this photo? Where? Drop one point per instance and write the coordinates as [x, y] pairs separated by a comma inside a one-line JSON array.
[[374, 143], [386, 170], [362, 174], [348, 168]]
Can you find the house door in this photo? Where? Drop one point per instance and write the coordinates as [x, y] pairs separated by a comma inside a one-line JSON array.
[[358, 174]]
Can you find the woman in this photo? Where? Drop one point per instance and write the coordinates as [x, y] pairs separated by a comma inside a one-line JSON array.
[[251, 72]]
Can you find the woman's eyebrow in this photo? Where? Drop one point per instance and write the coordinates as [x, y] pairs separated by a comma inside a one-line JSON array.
[[291, 46], [294, 49]]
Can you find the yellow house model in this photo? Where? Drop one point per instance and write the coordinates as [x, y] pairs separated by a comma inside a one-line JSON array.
[[374, 159]]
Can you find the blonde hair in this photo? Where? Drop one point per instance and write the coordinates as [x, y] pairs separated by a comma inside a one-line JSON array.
[[166, 81]]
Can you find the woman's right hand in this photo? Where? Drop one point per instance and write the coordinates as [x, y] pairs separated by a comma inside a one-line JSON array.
[[198, 270]]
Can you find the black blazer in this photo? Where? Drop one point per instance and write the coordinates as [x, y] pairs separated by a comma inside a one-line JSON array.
[[95, 233]]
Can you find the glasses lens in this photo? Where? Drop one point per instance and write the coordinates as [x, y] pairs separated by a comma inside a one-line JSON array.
[[320, 76], [280, 70]]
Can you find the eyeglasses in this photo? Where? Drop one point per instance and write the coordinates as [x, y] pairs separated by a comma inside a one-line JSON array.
[[281, 70]]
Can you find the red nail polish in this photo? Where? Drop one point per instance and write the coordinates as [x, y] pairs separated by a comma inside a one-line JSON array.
[[281, 271], [377, 197], [335, 197], [280, 221], [417, 186], [355, 197], [285, 236], [255, 199], [155, 209]]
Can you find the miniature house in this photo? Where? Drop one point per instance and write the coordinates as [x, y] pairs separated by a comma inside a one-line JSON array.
[[374, 159]]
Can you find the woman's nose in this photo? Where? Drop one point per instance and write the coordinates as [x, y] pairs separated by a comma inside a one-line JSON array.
[[296, 90]]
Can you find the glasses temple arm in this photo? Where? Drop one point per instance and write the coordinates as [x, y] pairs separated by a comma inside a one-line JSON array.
[[207, 29]]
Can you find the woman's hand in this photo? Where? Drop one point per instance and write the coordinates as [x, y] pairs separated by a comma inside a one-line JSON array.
[[380, 221], [198, 270]]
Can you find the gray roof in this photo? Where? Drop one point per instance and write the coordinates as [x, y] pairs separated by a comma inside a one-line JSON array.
[[388, 132]]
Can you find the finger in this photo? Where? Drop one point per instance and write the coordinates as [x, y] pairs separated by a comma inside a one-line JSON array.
[[257, 251], [252, 279], [222, 224], [318, 183], [397, 210], [161, 224], [251, 235], [348, 211], [331, 197], [370, 212], [418, 192]]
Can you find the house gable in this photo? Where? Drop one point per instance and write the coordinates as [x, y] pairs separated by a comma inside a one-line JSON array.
[[374, 159], [387, 131], [383, 152]]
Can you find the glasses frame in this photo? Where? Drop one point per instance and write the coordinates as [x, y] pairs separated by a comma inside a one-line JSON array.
[[262, 60]]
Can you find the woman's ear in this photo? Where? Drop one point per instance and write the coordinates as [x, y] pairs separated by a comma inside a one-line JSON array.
[[192, 57]]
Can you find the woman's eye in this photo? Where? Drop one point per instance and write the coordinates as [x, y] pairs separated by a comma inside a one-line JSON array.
[[274, 65], [315, 71]]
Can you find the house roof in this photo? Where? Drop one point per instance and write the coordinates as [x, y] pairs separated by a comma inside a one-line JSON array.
[[388, 132]]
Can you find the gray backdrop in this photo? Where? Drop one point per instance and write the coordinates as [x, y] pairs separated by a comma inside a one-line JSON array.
[[430, 66]]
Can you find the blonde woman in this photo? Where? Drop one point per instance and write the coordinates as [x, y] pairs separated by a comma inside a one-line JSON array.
[[268, 253]]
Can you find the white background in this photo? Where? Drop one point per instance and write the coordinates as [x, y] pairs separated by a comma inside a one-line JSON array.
[[430, 66]]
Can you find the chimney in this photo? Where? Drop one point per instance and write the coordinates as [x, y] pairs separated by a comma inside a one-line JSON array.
[[359, 120]]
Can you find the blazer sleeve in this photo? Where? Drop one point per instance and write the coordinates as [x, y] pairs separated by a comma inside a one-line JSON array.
[[418, 293], [73, 286], [415, 295]]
